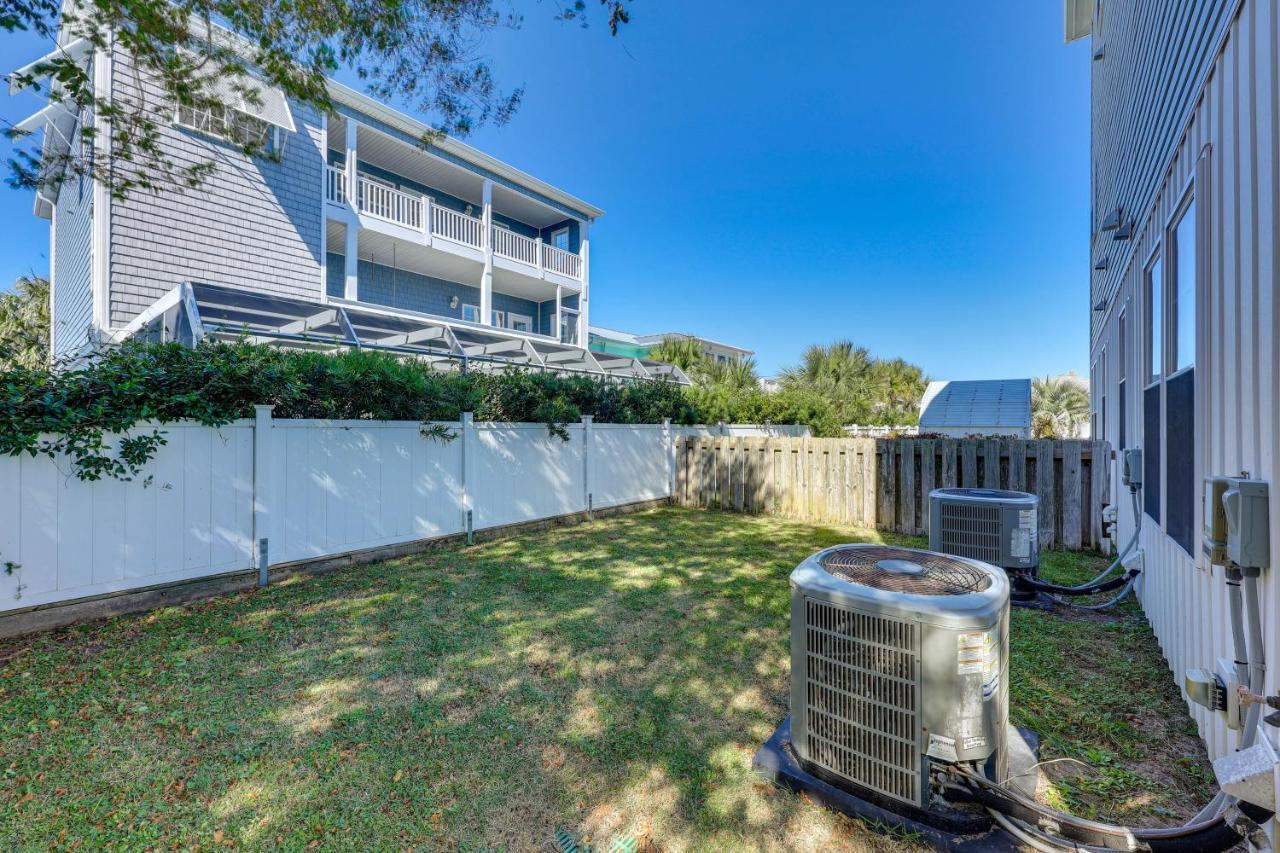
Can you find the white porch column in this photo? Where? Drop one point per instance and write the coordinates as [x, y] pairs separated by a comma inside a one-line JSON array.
[[486, 278], [351, 290], [584, 301], [555, 323]]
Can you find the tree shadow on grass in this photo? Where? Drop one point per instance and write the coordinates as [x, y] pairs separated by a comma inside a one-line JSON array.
[[612, 679]]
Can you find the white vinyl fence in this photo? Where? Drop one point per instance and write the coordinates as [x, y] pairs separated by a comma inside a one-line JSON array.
[[744, 431], [311, 488]]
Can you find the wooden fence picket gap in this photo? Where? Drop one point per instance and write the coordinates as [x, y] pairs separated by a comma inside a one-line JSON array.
[[991, 464], [1071, 492], [1017, 465], [1099, 466], [1045, 491], [948, 463], [969, 465], [907, 449]]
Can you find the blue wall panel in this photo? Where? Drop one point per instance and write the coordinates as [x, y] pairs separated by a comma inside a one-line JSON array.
[[396, 288]]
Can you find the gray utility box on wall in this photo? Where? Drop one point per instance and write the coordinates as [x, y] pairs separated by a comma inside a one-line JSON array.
[[997, 526], [1245, 505], [899, 657]]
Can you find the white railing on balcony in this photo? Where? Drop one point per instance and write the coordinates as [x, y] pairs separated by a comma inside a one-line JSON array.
[[559, 261], [391, 204], [456, 226], [415, 211], [335, 185], [517, 247]]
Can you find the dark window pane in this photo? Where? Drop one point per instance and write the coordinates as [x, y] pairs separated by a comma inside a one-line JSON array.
[[1151, 452], [1180, 458], [1184, 294], [1122, 412], [1155, 321]]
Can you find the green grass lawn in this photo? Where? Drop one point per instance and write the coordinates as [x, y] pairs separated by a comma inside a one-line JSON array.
[[611, 680]]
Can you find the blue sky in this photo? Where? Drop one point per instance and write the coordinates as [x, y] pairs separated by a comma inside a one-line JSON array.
[[911, 176]]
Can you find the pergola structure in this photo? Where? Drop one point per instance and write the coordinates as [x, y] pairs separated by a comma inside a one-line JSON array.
[[191, 313]]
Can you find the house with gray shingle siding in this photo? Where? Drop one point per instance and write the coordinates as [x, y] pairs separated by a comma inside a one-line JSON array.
[[355, 208]]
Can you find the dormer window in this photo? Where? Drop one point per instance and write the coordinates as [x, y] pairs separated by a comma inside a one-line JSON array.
[[233, 126]]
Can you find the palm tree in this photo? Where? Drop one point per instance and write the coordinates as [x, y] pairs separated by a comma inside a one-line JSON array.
[[1058, 407], [899, 386], [863, 389], [684, 353], [738, 374], [24, 324]]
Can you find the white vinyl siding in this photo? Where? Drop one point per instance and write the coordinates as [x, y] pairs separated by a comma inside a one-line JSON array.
[[1157, 54], [1229, 156]]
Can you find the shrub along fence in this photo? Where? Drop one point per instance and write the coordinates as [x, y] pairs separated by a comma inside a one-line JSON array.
[[312, 489], [885, 483]]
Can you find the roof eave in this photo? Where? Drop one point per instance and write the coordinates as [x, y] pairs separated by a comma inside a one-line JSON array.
[[350, 97]]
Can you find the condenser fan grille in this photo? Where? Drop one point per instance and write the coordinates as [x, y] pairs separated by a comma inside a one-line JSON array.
[[904, 570]]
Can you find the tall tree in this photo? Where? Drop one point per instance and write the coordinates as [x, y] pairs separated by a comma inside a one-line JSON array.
[[684, 353], [422, 52], [1059, 407], [24, 324], [737, 373], [863, 389]]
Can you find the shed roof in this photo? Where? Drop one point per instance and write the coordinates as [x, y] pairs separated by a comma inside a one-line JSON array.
[[978, 403]]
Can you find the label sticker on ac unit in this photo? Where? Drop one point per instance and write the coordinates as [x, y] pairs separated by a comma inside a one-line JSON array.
[[975, 653], [1020, 538], [942, 748], [973, 743]]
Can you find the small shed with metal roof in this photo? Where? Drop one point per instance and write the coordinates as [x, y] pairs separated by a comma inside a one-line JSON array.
[[959, 408]]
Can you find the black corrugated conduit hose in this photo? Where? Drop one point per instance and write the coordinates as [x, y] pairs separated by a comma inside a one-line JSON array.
[[1219, 826], [1061, 831], [1103, 582]]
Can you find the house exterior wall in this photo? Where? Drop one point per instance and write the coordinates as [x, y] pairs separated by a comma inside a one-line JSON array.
[[1155, 55], [71, 299], [255, 224], [397, 288], [438, 196], [1227, 155]]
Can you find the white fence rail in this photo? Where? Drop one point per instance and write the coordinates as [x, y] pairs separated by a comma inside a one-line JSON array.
[[391, 204], [879, 431], [559, 261], [335, 185], [456, 226], [311, 489], [517, 247]]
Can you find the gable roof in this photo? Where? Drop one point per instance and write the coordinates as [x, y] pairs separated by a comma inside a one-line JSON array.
[[981, 403]]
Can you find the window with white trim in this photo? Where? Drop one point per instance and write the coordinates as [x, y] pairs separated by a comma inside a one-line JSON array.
[[232, 125], [1122, 374], [1181, 490], [1153, 293], [560, 238], [471, 313], [568, 326], [519, 323]]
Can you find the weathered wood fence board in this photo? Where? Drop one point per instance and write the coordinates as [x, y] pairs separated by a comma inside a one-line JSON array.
[[885, 483]]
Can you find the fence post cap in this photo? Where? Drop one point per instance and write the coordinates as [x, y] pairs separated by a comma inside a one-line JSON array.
[[586, 419], [467, 417], [263, 408]]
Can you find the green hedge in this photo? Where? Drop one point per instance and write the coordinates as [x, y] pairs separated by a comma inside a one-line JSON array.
[[74, 412]]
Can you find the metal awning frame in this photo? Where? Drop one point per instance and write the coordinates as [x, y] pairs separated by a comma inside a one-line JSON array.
[[177, 316]]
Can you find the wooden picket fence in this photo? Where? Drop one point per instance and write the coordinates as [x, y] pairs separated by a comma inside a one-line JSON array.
[[885, 483]]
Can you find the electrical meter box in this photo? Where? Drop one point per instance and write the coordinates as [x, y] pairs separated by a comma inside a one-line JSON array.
[[1248, 533], [1131, 466], [1215, 520]]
